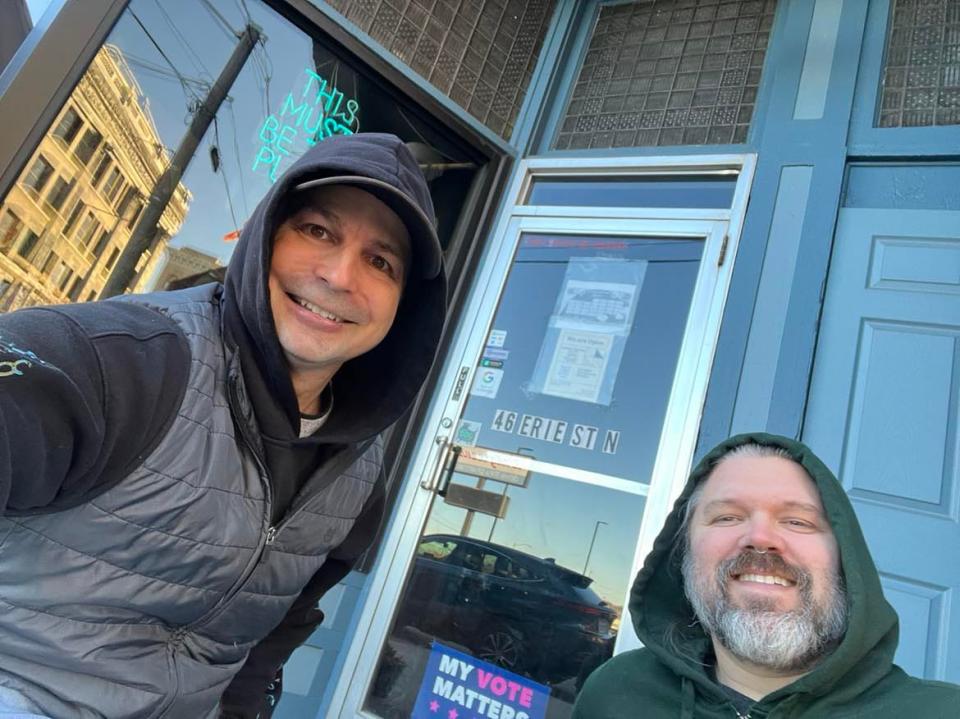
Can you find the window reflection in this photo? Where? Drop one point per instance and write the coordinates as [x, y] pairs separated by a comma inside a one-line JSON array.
[[512, 592], [79, 196], [708, 191]]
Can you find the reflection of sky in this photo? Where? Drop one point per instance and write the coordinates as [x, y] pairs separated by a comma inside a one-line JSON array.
[[553, 517], [199, 48], [37, 8]]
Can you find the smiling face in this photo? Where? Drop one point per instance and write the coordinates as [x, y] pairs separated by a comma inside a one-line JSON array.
[[761, 567], [336, 275]]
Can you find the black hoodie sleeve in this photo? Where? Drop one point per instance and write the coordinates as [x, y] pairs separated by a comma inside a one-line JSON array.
[[86, 392], [256, 688]]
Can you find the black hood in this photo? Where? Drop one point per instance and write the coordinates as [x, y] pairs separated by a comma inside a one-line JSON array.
[[373, 390]]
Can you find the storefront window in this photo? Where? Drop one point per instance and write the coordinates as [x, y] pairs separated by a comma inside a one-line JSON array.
[[82, 192]]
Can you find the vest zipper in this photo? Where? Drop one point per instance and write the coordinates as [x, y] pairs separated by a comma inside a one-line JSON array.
[[175, 641], [342, 461], [266, 538]]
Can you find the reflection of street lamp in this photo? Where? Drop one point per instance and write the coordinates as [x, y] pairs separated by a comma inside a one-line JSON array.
[[593, 539]]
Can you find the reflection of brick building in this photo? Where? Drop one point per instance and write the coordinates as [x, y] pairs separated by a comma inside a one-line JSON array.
[[180, 262], [71, 212]]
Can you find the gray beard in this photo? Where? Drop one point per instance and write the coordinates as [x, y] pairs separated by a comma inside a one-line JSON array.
[[791, 642]]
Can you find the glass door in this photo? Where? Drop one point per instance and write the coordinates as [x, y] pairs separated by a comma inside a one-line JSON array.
[[517, 584]]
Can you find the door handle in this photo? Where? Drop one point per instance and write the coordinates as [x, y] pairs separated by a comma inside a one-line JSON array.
[[442, 474], [453, 458]]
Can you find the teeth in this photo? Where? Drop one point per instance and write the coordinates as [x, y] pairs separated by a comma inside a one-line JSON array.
[[317, 311], [764, 579]]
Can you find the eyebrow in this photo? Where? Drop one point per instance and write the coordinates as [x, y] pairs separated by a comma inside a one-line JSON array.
[[791, 505]]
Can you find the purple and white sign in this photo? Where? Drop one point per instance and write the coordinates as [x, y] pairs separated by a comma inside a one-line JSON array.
[[458, 686]]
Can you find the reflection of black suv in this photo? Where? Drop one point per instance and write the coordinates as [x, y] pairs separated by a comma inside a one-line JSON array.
[[524, 613]]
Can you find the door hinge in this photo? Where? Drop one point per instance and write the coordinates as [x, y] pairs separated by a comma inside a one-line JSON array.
[[723, 250]]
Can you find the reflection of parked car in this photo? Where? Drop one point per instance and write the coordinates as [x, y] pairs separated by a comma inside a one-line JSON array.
[[524, 613]]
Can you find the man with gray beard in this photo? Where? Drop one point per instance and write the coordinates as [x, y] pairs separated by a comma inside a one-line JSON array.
[[760, 599]]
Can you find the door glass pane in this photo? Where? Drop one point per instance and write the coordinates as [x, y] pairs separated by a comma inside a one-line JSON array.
[[580, 359], [709, 191], [516, 588]]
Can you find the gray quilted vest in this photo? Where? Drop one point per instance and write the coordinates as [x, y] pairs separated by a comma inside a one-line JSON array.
[[145, 601]]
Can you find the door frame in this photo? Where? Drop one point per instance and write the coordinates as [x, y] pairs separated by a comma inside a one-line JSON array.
[[720, 229]]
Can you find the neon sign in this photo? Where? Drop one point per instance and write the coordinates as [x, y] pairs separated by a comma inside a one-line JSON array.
[[320, 112]]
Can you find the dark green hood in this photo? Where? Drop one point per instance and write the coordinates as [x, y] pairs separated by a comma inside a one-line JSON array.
[[671, 677], [660, 609]]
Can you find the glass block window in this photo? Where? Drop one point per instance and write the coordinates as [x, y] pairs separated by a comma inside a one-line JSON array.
[[480, 53], [668, 72], [921, 75]]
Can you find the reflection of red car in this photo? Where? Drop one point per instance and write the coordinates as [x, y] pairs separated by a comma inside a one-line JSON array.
[[513, 609]]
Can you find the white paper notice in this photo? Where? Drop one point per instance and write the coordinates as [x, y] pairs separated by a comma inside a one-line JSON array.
[[487, 382], [603, 306], [578, 365]]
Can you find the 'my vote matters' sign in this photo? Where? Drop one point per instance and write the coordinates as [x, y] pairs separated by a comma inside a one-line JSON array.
[[457, 686]]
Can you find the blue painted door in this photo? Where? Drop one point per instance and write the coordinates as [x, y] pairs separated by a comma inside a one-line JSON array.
[[883, 413]]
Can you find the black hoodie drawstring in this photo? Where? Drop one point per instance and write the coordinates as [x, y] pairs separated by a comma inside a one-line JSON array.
[[687, 700]]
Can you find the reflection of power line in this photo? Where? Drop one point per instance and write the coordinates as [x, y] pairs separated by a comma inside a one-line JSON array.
[[190, 94], [221, 20], [442, 523], [242, 4], [191, 53], [160, 71], [236, 149], [223, 174]]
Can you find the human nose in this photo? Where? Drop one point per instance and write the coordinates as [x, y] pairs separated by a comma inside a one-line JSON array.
[[338, 268], [761, 536]]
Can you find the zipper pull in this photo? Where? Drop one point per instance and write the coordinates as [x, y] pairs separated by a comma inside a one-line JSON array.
[[271, 535]]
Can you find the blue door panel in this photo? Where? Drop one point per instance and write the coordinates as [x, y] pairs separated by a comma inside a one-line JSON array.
[[883, 413]]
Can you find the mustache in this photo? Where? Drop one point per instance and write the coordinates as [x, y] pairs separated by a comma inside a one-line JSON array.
[[750, 561]]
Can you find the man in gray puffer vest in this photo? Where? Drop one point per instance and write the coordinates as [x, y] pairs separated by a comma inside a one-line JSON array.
[[184, 474]]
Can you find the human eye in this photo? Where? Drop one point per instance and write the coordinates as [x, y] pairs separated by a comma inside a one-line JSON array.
[[800, 524], [724, 519], [381, 263], [314, 230]]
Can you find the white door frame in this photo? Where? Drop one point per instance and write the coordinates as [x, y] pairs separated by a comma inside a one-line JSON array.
[[720, 229]]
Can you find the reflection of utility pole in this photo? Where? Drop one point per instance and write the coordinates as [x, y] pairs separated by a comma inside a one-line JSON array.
[[144, 233], [593, 539], [494, 525], [468, 520]]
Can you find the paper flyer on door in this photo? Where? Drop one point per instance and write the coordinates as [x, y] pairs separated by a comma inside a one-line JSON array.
[[458, 686], [586, 335]]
